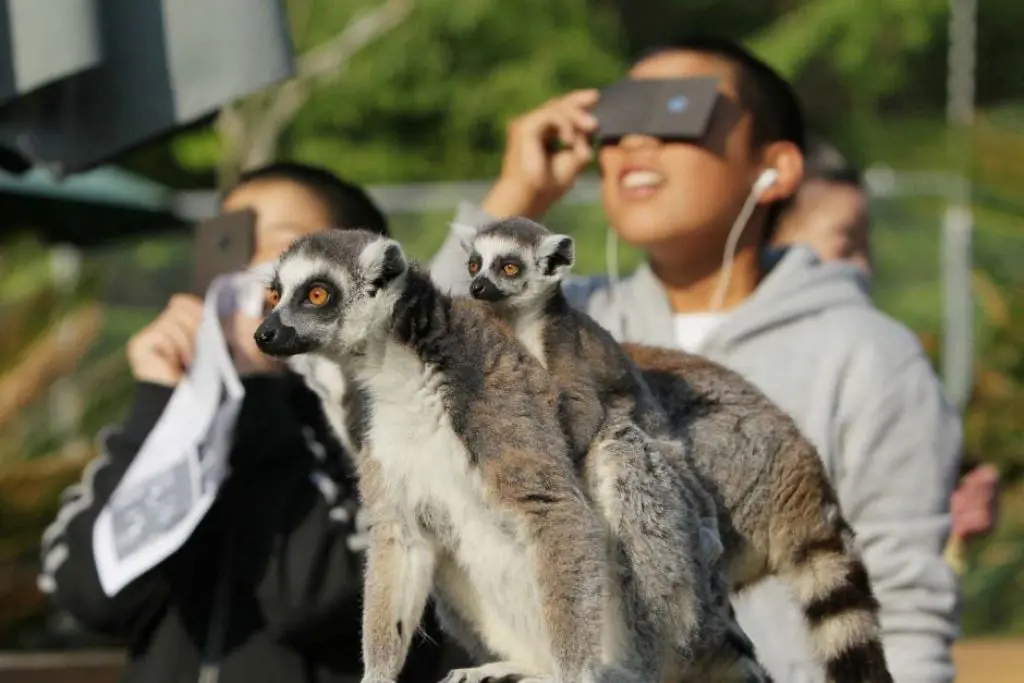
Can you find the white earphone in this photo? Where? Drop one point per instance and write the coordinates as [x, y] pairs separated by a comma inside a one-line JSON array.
[[768, 177], [765, 180]]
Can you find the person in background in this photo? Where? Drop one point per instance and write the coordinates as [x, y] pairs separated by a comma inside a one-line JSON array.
[[975, 502], [287, 514], [829, 211], [856, 381], [830, 214]]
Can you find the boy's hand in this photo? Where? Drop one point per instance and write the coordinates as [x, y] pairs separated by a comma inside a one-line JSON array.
[[975, 503], [532, 178]]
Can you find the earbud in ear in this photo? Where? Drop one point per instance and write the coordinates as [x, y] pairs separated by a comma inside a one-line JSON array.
[[764, 181]]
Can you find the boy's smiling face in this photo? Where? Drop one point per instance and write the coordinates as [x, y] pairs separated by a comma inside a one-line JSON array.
[[686, 195]]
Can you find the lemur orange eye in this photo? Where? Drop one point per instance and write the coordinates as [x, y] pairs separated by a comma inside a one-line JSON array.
[[317, 295], [510, 269], [474, 267], [273, 297]]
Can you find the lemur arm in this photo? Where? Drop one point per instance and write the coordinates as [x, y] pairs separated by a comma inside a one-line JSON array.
[[399, 575]]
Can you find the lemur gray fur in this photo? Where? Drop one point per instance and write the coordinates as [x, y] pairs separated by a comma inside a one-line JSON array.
[[463, 471], [778, 513], [678, 590]]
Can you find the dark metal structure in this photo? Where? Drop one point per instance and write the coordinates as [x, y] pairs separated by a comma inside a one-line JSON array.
[[82, 81], [86, 209]]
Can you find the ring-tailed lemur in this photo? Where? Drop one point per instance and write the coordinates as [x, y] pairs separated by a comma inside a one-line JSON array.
[[464, 472], [610, 418], [779, 515]]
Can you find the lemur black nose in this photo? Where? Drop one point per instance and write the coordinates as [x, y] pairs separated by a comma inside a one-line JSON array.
[[265, 335], [485, 290], [273, 337]]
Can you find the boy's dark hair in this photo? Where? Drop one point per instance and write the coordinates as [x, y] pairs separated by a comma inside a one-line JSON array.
[[347, 204], [776, 113]]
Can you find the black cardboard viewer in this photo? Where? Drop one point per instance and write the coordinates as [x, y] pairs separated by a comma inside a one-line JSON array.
[[664, 108]]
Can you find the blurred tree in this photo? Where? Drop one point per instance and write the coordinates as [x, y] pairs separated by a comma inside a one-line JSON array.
[[429, 101], [250, 131], [647, 23], [994, 431], [47, 365], [993, 584], [850, 58]]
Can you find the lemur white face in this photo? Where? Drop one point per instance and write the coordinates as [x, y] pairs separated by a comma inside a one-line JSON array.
[[332, 292], [517, 262]]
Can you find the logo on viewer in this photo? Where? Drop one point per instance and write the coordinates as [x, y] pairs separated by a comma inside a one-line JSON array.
[[677, 104]]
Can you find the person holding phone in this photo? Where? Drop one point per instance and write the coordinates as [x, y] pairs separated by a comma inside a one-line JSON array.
[[702, 205], [282, 604]]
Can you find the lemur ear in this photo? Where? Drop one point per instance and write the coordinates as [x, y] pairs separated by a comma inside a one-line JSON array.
[[381, 262], [465, 234], [556, 255]]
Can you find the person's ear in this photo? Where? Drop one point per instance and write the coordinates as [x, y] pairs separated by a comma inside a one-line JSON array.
[[788, 162]]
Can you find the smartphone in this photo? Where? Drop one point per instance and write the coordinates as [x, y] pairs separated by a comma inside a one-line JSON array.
[[222, 244], [664, 108]]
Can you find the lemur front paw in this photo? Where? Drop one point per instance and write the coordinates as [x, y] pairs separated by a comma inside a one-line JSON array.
[[496, 672]]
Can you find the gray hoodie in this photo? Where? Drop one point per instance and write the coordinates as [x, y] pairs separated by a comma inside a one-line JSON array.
[[861, 388]]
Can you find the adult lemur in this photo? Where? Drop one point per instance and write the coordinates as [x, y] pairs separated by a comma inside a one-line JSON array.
[[463, 470], [778, 513]]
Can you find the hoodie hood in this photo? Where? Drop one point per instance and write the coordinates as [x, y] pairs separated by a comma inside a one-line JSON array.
[[797, 285]]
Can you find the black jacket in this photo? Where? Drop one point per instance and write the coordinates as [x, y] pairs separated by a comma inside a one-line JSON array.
[[293, 610]]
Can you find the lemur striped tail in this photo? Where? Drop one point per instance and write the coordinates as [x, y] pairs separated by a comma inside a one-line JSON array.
[[831, 586]]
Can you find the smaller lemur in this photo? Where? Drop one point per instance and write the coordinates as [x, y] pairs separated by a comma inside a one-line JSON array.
[[658, 504], [778, 513], [464, 470]]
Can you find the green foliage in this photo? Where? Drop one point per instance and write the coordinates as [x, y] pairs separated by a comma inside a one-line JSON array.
[[994, 430], [993, 582], [50, 334], [850, 59], [440, 88], [431, 98], [993, 585], [46, 358]]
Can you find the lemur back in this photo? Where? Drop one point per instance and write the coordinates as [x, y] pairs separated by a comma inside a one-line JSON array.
[[745, 449], [596, 380]]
